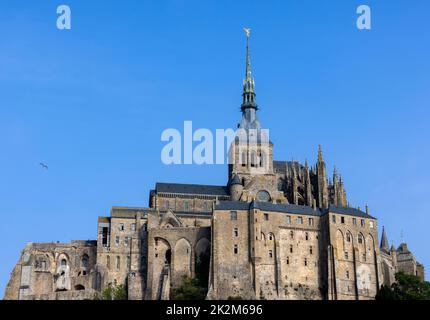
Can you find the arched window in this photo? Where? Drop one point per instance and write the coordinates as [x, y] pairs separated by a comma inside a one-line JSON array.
[[85, 261], [243, 159], [63, 262], [253, 159]]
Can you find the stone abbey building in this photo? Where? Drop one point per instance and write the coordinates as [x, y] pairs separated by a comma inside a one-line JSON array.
[[276, 230]]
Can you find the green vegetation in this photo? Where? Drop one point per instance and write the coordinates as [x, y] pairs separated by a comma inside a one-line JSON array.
[[406, 287], [113, 293], [189, 290]]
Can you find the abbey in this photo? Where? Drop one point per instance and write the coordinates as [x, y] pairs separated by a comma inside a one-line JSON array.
[[275, 230]]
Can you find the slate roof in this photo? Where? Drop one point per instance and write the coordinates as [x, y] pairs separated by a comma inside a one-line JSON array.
[[191, 189], [288, 208], [268, 206], [350, 212]]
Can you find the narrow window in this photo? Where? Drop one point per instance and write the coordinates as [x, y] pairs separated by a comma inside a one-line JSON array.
[[342, 219], [105, 231], [311, 222], [310, 250], [288, 219], [121, 227], [270, 237], [133, 227], [186, 206], [362, 222], [348, 237], [266, 217], [333, 218], [126, 241], [347, 274], [291, 249], [360, 239], [243, 162], [346, 255], [354, 221], [292, 234], [233, 215], [236, 232], [236, 249], [300, 220], [117, 240], [205, 206], [307, 236], [288, 260], [371, 224], [43, 265], [306, 262], [270, 254], [118, 262]]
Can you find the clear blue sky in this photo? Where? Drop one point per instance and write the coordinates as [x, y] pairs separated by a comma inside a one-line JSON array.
[[92, 103]]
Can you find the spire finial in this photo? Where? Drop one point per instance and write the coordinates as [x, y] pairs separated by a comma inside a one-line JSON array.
[[320, 155], [248, 83], [384, 241]]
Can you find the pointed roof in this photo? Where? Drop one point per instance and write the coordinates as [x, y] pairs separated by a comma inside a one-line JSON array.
[[235, 180], [384, 241]]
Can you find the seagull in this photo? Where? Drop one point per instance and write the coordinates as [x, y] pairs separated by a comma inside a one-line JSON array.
[[44, 166]]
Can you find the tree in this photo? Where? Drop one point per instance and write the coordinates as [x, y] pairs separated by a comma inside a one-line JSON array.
[[406, 287], [189, 290], [113, 293]]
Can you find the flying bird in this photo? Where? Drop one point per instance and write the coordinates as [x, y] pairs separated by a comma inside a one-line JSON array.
[[44, 166]]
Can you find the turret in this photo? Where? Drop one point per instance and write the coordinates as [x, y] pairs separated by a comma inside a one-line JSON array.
[[384, 246], [236, 188]]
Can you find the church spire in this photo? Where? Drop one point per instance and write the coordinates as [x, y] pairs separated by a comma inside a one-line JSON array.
[[248, 83], [384, 241]]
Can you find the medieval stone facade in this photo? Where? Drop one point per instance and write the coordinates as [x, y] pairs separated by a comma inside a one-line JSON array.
[[276, 230]]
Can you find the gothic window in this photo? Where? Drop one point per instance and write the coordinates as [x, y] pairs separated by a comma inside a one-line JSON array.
[[63, 262], [243, 159], [233, 215], [280, 185], [253, 159], [348, 237], [85, 261], [262, 160], [360, 239]]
